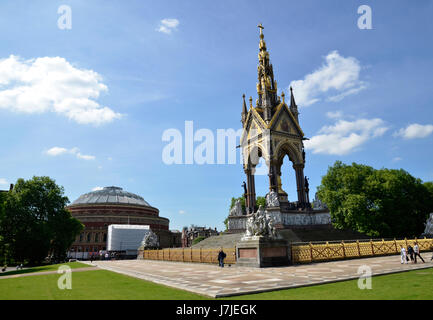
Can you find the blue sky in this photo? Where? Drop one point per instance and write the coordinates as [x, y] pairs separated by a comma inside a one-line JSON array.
[[103, 92]]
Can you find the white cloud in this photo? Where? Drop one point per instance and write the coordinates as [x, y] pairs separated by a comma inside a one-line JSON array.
[[3, 182], [168, 25], [415, 131], [338, 75], [181, 212], [345, 136], [57, 151], [85, 157], [396, 159], [97, 188], [334, 114], [52, 84]]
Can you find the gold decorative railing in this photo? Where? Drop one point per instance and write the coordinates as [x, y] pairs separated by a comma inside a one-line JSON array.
[[307, 253], [189, 255], [300, 253]]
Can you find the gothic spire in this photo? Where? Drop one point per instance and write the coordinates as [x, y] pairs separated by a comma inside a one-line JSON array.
[[244, 111], [266, 86], [293, 105]]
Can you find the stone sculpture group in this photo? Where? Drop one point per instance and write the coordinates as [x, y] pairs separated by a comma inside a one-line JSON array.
[[237, 210], [272, 200], [150, 241], [260, 225], [429, 226]]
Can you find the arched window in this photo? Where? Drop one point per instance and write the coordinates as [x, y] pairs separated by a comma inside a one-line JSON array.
[[96, 237], [89, 237], [105, 237]]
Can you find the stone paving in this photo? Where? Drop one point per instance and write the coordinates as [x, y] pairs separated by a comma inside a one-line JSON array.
[[213, 281]]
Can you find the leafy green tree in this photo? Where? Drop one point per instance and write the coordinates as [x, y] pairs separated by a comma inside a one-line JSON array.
[[233, 201], [35, 222], [261, 201], [385, 203], [3, 246], [429, 186]]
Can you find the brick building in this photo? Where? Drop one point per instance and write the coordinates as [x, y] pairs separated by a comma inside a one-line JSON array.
[[193, 232], [112, 205]]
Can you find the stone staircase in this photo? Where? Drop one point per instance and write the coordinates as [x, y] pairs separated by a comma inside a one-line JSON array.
[[216, 242]]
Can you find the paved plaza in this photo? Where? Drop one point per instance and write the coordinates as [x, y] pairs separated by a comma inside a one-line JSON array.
[[213, 281]]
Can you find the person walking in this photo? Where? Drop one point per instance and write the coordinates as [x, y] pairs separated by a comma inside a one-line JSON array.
[[221, 257], [403, 255], [410, 252], [416, 252]]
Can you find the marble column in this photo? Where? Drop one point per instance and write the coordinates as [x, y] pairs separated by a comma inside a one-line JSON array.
[[273, 180], [250, 200], [300, 183]]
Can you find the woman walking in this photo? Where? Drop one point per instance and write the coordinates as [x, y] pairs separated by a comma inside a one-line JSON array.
[[403, 255]]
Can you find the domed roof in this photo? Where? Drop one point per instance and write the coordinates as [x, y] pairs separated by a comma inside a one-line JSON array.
[[111, 195]]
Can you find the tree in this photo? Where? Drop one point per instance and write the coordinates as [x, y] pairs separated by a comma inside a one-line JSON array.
[[3, 246], [35, 223], [385, 203], [261, 201], [429, 186]]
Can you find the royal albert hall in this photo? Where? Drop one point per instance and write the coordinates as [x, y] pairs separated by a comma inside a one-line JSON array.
[[96, 210]]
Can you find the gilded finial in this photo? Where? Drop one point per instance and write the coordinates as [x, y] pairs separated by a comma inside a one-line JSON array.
[[260, 26], [283, 96], [251, 102]]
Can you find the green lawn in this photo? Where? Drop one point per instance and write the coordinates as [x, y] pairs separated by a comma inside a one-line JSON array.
[[105, 285], [48, 267], [410, 285], [89, 285]]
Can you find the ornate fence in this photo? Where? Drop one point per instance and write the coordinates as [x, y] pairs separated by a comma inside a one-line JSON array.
[[300, 253], [307, 253], [189, 255]]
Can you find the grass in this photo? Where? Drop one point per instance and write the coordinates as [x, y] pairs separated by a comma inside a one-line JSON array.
[[48, 267], [106, 285], [410, 285], [89, 285]]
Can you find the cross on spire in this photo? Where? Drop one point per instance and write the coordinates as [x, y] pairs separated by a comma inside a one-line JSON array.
[[260, 26]]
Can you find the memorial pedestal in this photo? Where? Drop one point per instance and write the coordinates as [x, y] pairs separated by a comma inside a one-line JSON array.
[[260, 252]]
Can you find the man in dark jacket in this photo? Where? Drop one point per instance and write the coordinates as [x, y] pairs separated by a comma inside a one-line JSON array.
[[410, 252], [221, 257]]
